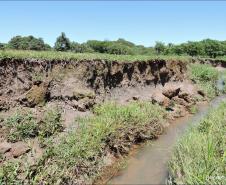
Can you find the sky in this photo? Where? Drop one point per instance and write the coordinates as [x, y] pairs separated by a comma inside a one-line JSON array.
[[142, 22]]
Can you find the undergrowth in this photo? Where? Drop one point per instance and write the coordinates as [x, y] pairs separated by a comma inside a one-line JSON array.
[[57, 55], [206, 78], [200, 156], [114, 128], [23, 125]]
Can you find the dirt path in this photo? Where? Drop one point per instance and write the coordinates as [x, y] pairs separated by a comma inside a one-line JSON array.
[[149, 164]]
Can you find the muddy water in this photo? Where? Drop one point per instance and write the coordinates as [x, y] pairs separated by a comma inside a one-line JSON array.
[[149, 164]]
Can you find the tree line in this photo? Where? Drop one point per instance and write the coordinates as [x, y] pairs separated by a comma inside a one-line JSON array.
[[208, 47]]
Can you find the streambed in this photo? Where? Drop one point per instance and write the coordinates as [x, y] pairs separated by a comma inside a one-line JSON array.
[[149, 164]]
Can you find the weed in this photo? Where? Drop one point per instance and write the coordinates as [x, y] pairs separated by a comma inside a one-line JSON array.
[[9, 173], [51, 123], [206, 78], [53, 55], [21, 126], [199, 157], [193, 109], [113, 128]]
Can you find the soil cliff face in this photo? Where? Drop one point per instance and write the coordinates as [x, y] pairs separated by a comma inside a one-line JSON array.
[[33, 82]]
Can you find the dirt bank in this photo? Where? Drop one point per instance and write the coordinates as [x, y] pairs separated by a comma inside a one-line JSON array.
[[74, 87]]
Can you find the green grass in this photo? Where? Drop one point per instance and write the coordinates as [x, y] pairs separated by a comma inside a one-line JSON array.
[[23, 125], [206, 78], [53, 55], [200, 156], [78, 157]]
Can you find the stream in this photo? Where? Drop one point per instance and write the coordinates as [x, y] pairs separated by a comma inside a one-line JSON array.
[[149, 164]]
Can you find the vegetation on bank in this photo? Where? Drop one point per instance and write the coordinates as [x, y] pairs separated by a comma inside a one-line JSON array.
[[24, 125], [205, 76], [79, 155], [56, 55], [200, 156], [205, 48]]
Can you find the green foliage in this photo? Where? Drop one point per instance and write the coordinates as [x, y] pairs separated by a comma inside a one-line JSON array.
[[27, 43], [206, 77], [51, 123], [23, 125], [82, 150], [213, 48], [9, 173], [53, 55], [81, 48], [160, 47], [200, 156], [62, 43]]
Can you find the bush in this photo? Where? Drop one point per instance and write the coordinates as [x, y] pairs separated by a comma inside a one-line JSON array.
[[27, 43]]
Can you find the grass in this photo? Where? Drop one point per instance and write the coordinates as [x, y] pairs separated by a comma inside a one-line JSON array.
[[206, 78], [53, 55], [114, 128], [200, 156], [23, 125]]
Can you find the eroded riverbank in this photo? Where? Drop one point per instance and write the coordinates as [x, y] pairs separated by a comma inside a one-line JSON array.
[[149, 164]]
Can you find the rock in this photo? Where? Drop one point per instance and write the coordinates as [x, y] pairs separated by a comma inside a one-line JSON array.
[[171, 92], [19, 149], [160, 99], [5, 147]]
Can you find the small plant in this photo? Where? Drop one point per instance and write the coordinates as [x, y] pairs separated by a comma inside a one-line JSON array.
[[199, 156], [51, 123], [193, 109], [206, 78], [9, 173], [22, 126], [78, 156]]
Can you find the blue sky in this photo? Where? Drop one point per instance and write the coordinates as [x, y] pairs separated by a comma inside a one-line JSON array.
[[140, 22]]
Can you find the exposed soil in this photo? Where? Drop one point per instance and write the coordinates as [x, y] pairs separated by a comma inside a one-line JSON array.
[[76, 86]]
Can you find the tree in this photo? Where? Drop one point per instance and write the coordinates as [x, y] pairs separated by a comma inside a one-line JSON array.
[[27, 43], [194, 48], [159, 47], [81, 48], [62, 43], [213, 48]]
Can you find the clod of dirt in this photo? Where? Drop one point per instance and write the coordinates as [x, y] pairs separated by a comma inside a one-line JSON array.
[[5, 147], [3, 104], [201, 93], [160, 99], [19, 149], [170, 91], [36, 95]]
